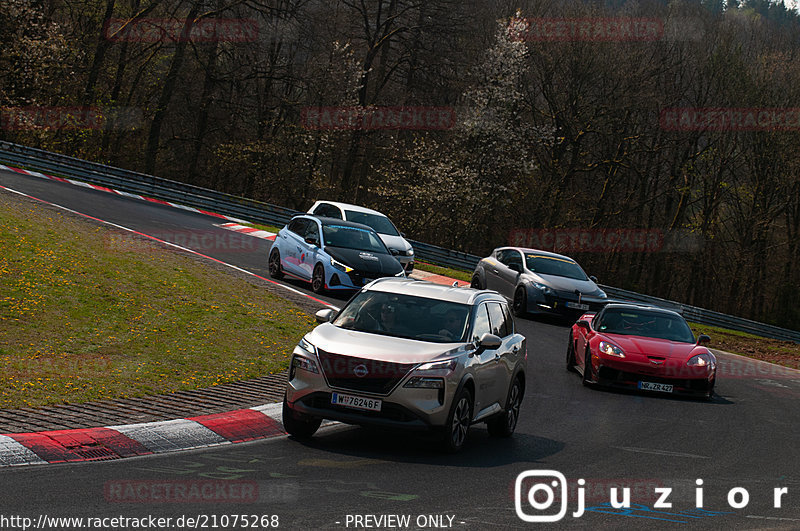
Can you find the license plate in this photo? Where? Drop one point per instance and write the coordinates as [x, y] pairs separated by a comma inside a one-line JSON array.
[[356, 402], [577, 306], [651, 386]]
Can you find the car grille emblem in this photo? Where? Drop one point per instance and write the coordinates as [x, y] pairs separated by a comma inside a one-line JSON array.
[[657, 362], [360, 370]]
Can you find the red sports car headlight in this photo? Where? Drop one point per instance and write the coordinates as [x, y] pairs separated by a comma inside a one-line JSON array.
[[610, 349], [702, 360]]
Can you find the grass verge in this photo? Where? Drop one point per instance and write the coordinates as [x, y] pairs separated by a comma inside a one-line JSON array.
[[83, 317], [457, 274], [259, 226], [785, 353]]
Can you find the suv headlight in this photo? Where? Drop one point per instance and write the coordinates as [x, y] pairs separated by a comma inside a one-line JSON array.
[[447, 366], [431, 375], [424, 382], [306, 362], [610, 349], [300, 362], [340, 266]]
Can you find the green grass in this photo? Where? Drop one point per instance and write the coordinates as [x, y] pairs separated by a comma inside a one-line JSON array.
[[88, 314], [268, 228], [772, 350], [457, 274]]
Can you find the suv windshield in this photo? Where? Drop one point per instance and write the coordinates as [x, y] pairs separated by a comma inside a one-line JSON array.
[[381, 224], [645, 324], [352, 238], [406, 316], [552, 265]]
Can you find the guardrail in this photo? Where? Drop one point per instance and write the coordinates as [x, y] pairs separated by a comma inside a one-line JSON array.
[[143, 184], [260, 212], [707, 317]]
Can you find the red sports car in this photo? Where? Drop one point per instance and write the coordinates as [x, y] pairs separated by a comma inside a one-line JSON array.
[[641, 347]]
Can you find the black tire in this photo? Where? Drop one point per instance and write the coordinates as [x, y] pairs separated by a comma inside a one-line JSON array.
[[571, 354], [458, 422], [299, 425], [587, 369], [520, 304], [476, 282], [275, 269], [505, 424], [318, 279]]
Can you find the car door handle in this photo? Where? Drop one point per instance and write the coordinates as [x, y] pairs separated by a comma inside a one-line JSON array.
[[495, 271]]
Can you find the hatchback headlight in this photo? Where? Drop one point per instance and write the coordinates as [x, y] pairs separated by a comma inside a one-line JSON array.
[[340, 266], [610, 349], [541, 287]]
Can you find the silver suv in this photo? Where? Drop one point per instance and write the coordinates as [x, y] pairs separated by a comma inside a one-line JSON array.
[[412, 355]]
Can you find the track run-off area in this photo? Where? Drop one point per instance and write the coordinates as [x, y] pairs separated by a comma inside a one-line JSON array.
[[729, 463]]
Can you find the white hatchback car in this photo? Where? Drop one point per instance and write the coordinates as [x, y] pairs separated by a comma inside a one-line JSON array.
[[386, 230]]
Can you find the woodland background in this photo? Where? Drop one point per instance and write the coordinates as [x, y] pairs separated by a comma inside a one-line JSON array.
[[549, 134]]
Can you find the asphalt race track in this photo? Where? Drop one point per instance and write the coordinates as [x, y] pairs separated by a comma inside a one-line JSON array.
[[347, 477]]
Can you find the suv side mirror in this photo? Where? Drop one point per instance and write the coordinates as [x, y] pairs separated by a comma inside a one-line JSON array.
[[593, 279], [515, 267], [325, 315], [703, 339], [489, 341], [312, 241], [394, 252], [583, 324]]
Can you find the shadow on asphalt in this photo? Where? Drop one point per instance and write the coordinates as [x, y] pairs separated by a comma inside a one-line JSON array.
[[716, 399], [480, 450]]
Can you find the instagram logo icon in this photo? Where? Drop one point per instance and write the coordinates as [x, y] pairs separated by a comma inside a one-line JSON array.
[[540, 495]]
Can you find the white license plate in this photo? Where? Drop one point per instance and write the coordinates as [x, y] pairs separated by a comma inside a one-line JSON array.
[[356, 402], [577, 306], [651, 386]]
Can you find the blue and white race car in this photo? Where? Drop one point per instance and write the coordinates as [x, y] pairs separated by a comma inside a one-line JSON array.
[[331, 253]]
